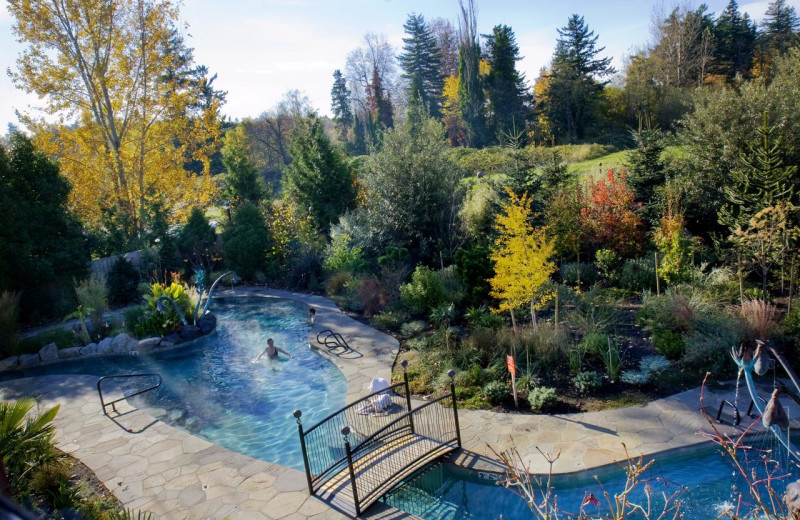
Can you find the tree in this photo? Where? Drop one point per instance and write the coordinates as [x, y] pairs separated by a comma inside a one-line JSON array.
[[470, 84], [318, 177], [375, 54], [105, 67], [781, 25], [521, 258], [505, 85], [41, 246], [608, 216], [379, 103], [246, 241], [244, 183], [197, 242], [340, 105], [647, 171], [735, 40], [573, 88], [683, 47], [447, 41], [421, 61]]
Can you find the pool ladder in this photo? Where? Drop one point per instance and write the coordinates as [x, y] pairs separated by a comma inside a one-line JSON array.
[[113, 404], [332, 340]]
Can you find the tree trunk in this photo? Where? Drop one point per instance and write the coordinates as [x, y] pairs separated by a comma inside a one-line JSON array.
[[791, 284], [513, 322], [533, 313]]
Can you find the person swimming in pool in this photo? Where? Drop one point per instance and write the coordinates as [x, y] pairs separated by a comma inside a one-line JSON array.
[[271, 351]]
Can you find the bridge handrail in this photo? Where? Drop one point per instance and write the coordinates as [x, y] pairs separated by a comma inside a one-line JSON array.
[[353, 404]]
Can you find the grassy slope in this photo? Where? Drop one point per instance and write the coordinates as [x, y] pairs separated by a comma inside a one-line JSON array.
[[591, 167]]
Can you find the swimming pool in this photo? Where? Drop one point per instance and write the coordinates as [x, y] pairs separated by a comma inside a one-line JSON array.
[[705, 478], [212, 389]]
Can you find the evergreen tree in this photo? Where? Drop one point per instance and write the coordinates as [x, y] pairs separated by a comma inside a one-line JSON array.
[[197, 242], [246, 241], [647, 172], [735, 37], [421, 61], [574, 89], [318, 177], [781, 25], [379, 102], [243, 180], [340, 105], [470, 86], [41, 245], [505, 85]]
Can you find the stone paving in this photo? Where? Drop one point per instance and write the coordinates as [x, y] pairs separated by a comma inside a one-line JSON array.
[[152, 466]]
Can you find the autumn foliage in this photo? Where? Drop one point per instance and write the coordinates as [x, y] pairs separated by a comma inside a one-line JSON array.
[[609, 216]]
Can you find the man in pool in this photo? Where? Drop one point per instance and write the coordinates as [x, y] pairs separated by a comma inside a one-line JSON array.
[[271, 351]]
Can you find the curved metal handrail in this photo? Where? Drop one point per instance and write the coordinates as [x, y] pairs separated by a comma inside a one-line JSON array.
[[125, 376]]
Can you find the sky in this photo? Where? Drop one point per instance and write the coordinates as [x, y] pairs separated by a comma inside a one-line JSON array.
[[260, 49]]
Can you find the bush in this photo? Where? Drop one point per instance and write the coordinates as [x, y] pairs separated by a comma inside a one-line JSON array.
[[595, 312], [413, 328], [588, 272], [609, 264], [708, 348], [123, 280], [336, 282], [481, 318], [496, 392], [389, 320], [760, 318], [669, 343], [340, 256], [606, 350], [585, 382], [542, 399], [424, 292], [546, 347], [197, 240], [373, 297], [638, 275], [92, 294], [676, 310], [9, 315], [167, 320], [649, 366], [451, 284]]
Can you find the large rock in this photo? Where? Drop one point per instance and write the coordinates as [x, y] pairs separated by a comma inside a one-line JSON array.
[[190, 332], [70, 352], [89, 350], [104, 347], [26, 360], [147, 345], [171, 340], [9, 363], [792, 498], [208, 323], [49, 353], [122, 343], [176, 415]]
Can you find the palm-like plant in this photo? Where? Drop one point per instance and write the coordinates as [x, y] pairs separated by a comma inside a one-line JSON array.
[[26, 441], [81, 313]]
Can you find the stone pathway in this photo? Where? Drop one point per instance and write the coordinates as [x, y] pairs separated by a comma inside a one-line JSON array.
[[152, 466]]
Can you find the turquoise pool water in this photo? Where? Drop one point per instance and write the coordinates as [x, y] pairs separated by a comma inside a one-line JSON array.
[[212, 388], [706, 480]]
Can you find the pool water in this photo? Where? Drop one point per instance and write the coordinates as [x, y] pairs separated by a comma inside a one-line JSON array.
[[214, 390], [706, 482]]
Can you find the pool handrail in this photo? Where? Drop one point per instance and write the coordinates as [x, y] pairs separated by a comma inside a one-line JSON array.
[[125, 376]]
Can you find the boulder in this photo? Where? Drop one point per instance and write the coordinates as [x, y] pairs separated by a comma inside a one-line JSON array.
[[121, 344], [70, 352], [176, 415], [147, 345], [104, 346], [89, 350], [26, 360], [208, 323], [190, 332], [49, 353], [9, 363], [192, 423], [792, 498], [171, 340]]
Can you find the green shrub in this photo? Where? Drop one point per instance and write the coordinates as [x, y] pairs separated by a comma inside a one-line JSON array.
[[167, 319], [649, 366], [609, 264], [595, 311], [473, 376], [197, 240], [542, 399], [604, 348], [585, 382], [340, 256], [336, 282], [451, 284], [546, 347], [245, 241], [708, 348], [421, 343], [669, 343], [676, 310], [92, 294], [123, 280], [638, 275], [9, 316], [27, 441], [588, 272], [424, 292], [481, 318], [389, 320], [48, 477], [63, 338], [413, 328], [496, 392]]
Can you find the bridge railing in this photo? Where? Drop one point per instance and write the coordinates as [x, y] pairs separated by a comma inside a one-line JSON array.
[[322, 446], [433, 426]]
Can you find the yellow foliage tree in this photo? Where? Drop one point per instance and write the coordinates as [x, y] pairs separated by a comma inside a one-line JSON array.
[[451, 112], [114, 75], [521, 257]]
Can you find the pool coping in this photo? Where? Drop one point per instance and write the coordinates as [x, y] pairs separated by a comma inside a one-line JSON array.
[[174, 474]]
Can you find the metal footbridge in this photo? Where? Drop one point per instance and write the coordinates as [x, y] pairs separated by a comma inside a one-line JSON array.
[[356, 455]]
